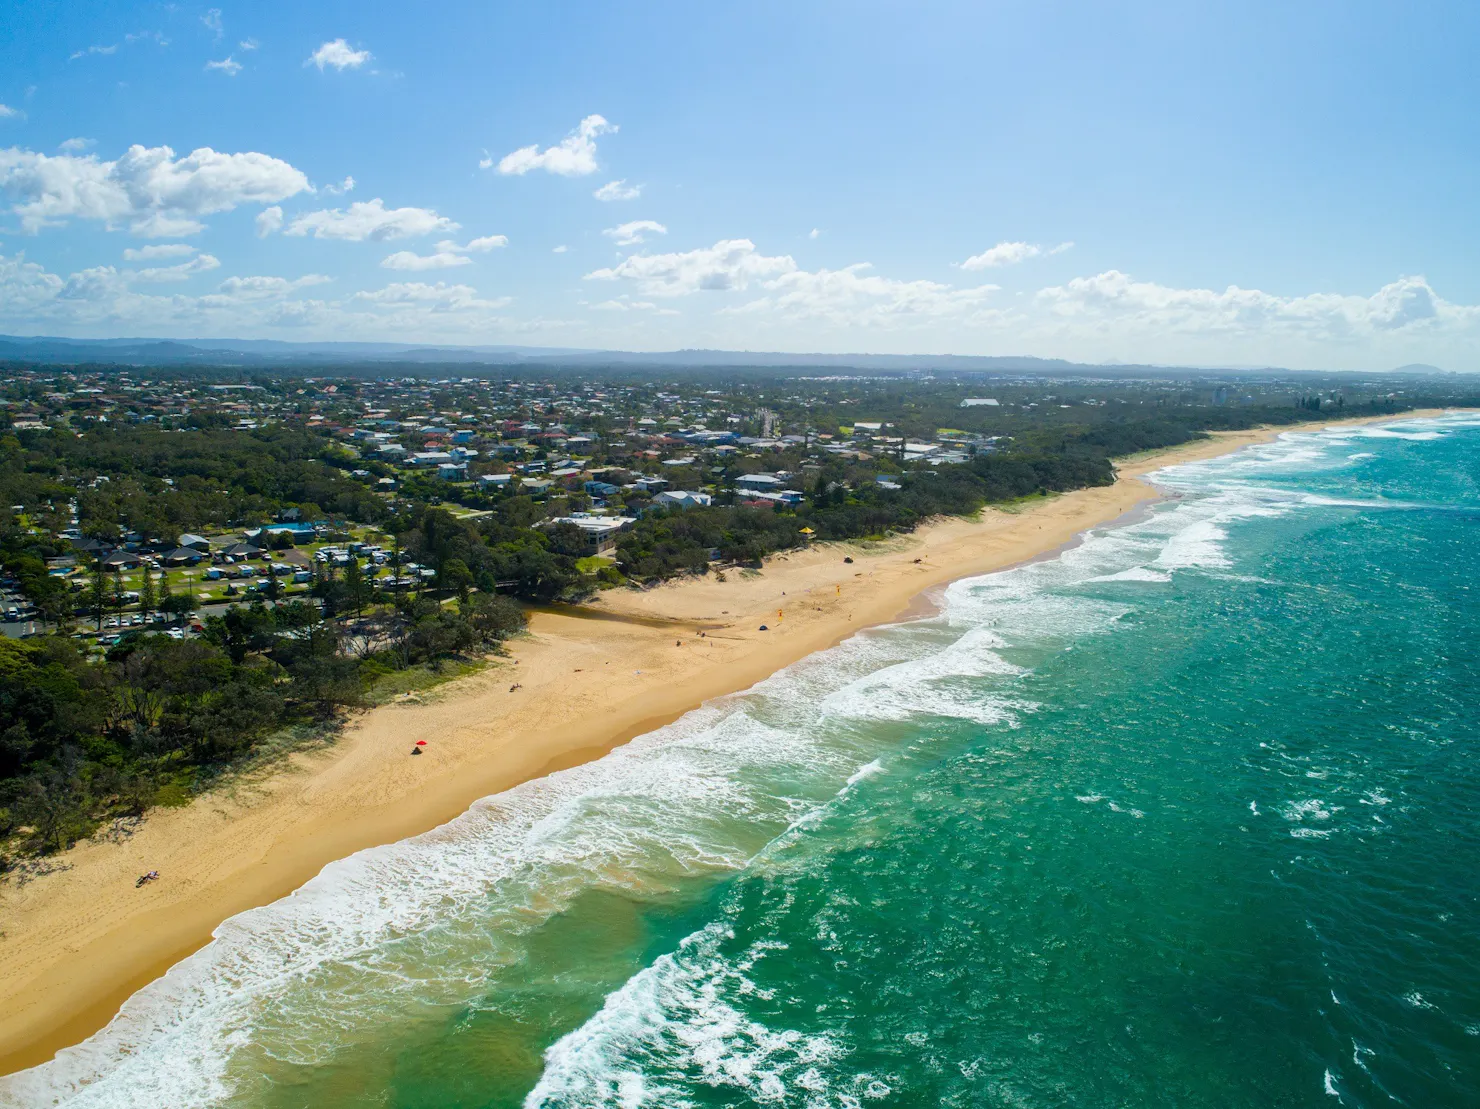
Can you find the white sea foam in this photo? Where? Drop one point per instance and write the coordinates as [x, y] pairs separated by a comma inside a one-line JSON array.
[[1135, 573], [679, 1022]]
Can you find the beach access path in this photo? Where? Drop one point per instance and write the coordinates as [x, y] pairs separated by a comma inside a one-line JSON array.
[[78, 942]]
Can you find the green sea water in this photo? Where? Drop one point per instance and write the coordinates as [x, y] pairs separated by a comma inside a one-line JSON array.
[[1186, 816]]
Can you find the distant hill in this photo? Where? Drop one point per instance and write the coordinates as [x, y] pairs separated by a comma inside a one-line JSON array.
[[338, 357], [243, 353]]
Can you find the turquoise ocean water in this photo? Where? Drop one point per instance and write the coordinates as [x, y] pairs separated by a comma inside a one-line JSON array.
[[1187, 816]]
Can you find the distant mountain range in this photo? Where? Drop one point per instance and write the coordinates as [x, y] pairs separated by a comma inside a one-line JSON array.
[[247, 353]]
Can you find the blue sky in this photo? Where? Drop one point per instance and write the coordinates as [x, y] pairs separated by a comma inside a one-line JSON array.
[[1236, 184]]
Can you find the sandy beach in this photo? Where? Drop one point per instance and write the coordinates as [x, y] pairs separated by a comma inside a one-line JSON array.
[[78, 942]]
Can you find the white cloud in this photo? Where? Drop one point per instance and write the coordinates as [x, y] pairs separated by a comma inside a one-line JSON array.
[[102, 49], [162, 225], [156, 251], [447, 254], [626, 304], [264, 288], [440, 297], [268, 221], [575, 156], [853, 297], [1010, 254], [338, 54], [618, 190], [75, 146], [815, 233], [1115, 301], [345, 186], [561, 249], [479, 245], [227, 65], [212, 20], [410, 260], [199, 264], [105, 301], [631, 233], [248, 44], [369, 220], [7, 112], [728, 264], [148, 188]]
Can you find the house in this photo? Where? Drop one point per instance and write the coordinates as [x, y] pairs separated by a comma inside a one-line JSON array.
[[199, 542], [452, 471], [123, 560], [601, 531], [682, 499], [182, 556], [758, 483], [601, 489]]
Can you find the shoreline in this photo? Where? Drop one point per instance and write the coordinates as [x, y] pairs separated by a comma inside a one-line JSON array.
[[78, 942]]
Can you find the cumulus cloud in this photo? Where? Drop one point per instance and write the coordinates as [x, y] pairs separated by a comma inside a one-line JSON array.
[[269, 220], [369, 220], [410, 260], [438, 297], [157, 251], [248, 44], [202, 263], [447, 254], [815, 233], [628, 234], [575, 156], [478, 245], [626, 304], [227, 65], [338, 55], [266, 288], [728, 264], [150, 190], [345, 186], [854, 297], [7, 112], [112, 48], [618, 190], [74, 146], [212, 21], [851, 296], [1117, 300], [1010, 254], [105, 299], [561, 249]]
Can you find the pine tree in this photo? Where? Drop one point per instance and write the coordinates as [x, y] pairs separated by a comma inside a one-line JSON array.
[[97, 592], [146, 592], [354, 583]]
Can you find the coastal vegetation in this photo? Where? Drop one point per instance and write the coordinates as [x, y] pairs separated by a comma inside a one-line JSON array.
[[155, 719], [139, 682]]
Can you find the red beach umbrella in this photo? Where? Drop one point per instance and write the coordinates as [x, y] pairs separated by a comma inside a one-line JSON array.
[[421, 743]]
